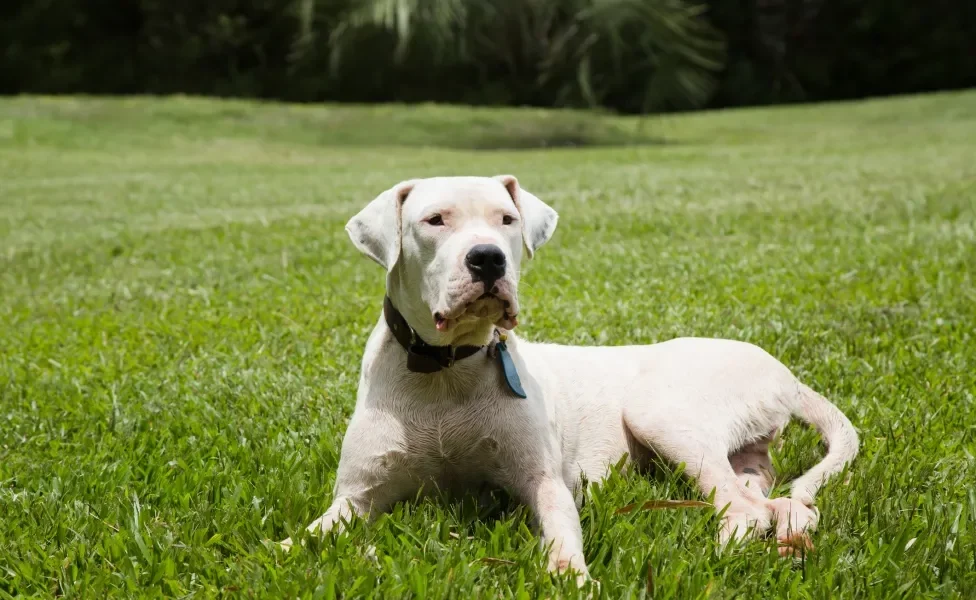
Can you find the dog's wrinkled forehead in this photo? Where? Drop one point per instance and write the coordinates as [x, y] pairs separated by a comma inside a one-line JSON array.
[[460, 196]]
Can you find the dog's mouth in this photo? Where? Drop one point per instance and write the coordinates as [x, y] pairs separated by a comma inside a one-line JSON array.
[[489, 305]]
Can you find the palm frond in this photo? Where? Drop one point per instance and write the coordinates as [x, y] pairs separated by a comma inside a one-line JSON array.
[[658, 53]]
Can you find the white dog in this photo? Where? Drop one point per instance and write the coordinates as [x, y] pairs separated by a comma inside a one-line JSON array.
[[450, 399]]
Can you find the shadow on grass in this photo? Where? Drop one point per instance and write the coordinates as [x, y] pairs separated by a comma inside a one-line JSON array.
[[563, 135], [144, 121]]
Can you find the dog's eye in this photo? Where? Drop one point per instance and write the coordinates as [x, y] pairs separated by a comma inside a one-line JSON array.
[[436, 220], [508, 220]]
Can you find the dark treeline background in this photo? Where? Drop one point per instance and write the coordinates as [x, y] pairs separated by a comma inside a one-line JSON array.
[[625, 55]]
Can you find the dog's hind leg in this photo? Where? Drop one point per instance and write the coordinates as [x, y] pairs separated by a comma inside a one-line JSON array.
[[793, 520], [747, 511]]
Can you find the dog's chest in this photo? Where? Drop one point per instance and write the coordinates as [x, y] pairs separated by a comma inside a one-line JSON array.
[[453, 445]]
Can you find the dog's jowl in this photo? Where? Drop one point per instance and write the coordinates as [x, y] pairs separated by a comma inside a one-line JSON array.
[[449, 398]]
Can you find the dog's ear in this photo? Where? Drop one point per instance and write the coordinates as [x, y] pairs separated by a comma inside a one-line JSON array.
[[538, 218], [376, 229]]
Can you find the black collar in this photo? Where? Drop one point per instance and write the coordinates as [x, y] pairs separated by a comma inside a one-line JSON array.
[[421, 356]]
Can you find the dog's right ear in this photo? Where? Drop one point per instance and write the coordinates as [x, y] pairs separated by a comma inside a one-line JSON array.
[[375, 231]]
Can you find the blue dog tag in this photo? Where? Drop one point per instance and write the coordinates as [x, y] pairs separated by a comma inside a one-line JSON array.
[[508, 369]]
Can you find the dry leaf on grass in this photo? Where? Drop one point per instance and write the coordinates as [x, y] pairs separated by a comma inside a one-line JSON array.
[[662, 504], [490, 560]]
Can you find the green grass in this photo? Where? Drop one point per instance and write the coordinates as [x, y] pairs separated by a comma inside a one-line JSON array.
[[182, 319]]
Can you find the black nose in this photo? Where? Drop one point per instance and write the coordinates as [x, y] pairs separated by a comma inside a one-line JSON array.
[[486, 263]]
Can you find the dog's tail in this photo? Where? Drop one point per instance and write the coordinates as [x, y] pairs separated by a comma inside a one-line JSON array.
[[839, 435]]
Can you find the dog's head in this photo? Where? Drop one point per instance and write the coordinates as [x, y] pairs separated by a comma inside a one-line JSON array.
[[452, 247]]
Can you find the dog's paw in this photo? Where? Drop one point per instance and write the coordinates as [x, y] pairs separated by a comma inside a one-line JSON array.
[[738, 527], [583, 580], [794, 545], [284, 545], [572, 565], [794, 522]]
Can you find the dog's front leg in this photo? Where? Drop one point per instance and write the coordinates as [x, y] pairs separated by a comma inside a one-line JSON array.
[[343, 508], [555, 509], [359, 493], [373, 473]]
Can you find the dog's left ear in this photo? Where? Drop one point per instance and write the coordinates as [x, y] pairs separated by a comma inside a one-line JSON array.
[[538, 218], [375, 231]]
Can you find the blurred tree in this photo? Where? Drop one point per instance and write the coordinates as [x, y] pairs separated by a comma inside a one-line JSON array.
[[802, 50], [626, 55], [641, 55]]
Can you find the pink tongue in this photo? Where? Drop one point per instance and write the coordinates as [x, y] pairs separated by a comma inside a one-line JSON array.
[[441, 324]]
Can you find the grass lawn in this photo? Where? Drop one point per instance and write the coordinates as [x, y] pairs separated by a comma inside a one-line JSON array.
[[182, 320]]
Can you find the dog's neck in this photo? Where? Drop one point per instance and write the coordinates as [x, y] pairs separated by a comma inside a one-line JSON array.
[[421, 356], [476, 332]]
